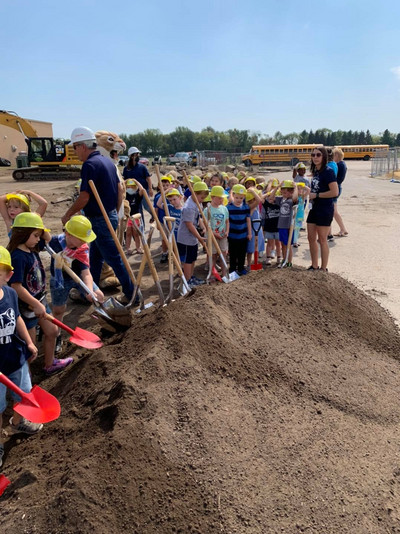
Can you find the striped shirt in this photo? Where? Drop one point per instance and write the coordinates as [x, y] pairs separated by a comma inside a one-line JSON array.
[[238, 221]]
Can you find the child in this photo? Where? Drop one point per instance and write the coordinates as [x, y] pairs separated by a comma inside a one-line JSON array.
[[174, 199], [216, 179], [249, 182], [239, 229], [253, 200], [303, 191], [299, 174], [166, 184], [15, 351], [188, 235], [14, 203], [134, 197], [217, 215], [285, 203], [29, 282], [271, 225], [231, 182], [193, 180], [73, 246]]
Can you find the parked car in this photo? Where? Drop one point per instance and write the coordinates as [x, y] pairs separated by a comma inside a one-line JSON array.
[[157, 160], [144, 161], [179, 157], [123, 160]]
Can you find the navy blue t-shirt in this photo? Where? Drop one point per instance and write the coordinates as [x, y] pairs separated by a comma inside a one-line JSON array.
[[139, 172], [320, 184], [104, 175], [342, 170], [28, 271], [13, 352]]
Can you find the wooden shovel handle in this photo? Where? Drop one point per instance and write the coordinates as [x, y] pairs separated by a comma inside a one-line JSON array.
[[166, 208], [112, 232]]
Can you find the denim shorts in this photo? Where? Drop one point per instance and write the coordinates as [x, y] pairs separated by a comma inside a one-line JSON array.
[[22, 379], [271, 235], [31, 323], [187, 253], [59, 296]]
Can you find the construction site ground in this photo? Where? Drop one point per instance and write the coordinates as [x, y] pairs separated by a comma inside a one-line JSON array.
[[267, 405]]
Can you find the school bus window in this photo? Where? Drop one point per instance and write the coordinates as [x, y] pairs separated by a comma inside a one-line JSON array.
[[262, 152], [286, 151]]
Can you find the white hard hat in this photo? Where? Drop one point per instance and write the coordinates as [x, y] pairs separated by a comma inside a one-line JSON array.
[[133, 150], [82, 134]]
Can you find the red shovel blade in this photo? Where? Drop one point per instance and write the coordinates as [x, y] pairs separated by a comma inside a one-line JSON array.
[[86, 339], [38, 406], [216, 274], [4, 482], [256, 266]]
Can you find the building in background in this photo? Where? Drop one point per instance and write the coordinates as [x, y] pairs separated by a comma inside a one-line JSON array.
[[12, 142]]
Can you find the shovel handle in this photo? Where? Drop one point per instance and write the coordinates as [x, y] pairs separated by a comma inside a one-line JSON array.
[[55, 321], [10, 385], [166, 208]]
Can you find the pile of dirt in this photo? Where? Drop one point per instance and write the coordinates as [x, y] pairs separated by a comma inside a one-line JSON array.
[[268, 405]]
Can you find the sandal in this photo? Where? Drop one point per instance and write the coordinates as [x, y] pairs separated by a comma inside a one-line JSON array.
[[341, 234], [139, 251]]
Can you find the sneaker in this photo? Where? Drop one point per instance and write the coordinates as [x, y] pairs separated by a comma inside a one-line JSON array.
[[164, 257], [331, 238], [25, 427], [287, 265], [57, 366], [279, 260], [242, 272], [194, 282], [302, 229], [311, 268], [268, 260], [1, 454], [58, 348], [273, 254]]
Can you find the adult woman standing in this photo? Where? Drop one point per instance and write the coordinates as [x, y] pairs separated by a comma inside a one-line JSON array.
[[324, 189], [342, 170]]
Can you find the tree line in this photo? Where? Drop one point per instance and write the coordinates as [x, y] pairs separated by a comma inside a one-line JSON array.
[[154, 142]]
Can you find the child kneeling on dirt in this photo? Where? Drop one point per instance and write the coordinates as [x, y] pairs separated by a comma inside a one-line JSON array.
[[73, 249], [15, 351], [188, 235]]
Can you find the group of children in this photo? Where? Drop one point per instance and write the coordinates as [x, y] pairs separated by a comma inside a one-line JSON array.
[[236, 209]]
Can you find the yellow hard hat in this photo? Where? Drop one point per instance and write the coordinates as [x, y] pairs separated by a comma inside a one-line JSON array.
[[275, 182], [5, 258], [249, 196], [132, 182], [200, 186], [20, 197], [217, 191], [195, 179], [301, 166], [301, 184], [288, 184], [29, 220], [250, 179], [173, 192], [239, 189], [80, 227], [166, 178], [208, 198]]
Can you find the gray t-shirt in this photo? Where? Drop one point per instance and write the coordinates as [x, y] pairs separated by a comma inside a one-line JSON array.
[[285, 212], [190, 213]]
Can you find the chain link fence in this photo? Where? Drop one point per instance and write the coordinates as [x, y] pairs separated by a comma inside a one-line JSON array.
[[385, 162]]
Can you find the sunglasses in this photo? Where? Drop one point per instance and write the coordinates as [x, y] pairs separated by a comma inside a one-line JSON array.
[[316, 155]]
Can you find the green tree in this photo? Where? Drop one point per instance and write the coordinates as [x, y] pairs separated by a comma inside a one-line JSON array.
[[368, 138], [387, 138]]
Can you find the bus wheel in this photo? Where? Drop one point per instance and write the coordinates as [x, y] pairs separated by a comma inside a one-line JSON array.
[[247, 163], [366, 157]]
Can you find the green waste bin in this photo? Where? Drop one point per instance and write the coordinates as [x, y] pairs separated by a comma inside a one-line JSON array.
[[22, 161]]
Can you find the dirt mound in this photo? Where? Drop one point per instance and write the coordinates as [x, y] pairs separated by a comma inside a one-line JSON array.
[[269, 405]]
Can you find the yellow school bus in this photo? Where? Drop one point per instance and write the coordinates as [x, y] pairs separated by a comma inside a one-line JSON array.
[[365, 152], [284, 154]]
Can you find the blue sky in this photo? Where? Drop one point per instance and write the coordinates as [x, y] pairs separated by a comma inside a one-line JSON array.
[[262, 65]]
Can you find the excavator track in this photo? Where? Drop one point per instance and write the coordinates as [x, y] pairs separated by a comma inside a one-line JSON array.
[[29, 174]]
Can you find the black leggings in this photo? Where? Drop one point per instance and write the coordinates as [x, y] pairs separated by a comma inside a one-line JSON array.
[[237, 254]]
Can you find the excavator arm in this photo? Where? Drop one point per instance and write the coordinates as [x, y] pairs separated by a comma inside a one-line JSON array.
[[11, 119]]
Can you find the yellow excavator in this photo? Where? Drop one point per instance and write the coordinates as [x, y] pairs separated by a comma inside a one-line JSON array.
[[46, 159]]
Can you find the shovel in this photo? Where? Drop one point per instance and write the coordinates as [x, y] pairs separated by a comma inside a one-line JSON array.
[[289, 243], [232, 276], [79, 336], [149, 259], [256, 225], [105, 310], [4, 482], [169, 223], [184, 289], [38, 406]]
